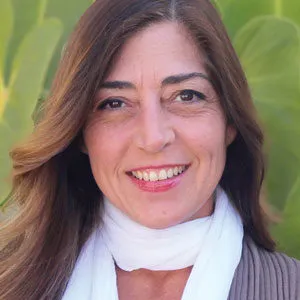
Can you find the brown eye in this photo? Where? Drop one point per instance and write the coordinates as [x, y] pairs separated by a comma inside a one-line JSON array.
[[190, 96], [111, 104]]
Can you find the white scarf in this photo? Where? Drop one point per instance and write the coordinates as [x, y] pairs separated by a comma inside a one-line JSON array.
[[212, 245]]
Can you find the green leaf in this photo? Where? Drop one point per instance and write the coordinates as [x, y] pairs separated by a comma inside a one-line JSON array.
[[291, 9], [268, 48], [28, 13], [6, 136], [216, 4], [237, 13], [283, 168], [287, 232], [28, 74], [7, 18], [69, 12]]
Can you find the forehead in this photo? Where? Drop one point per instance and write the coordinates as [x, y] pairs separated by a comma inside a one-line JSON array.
[[156, 52]]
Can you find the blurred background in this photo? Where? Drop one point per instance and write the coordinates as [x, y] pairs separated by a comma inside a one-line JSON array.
[[266, 36]]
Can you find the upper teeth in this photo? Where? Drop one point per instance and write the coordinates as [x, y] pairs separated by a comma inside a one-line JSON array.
[[160, 174]]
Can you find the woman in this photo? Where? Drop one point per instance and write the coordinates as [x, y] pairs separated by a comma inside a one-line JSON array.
[[142, 178]]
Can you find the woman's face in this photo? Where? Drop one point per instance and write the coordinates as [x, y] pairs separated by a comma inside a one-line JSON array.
[[157, 137]]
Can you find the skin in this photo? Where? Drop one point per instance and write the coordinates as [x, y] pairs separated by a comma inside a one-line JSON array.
[[151, 125]]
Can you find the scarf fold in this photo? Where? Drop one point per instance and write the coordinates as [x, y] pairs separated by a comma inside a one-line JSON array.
[[212, 245]]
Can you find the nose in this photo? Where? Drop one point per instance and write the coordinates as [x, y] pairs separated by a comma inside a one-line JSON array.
[[153, 129]]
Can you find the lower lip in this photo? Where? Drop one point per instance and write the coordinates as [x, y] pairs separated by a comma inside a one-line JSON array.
[[158, 186]]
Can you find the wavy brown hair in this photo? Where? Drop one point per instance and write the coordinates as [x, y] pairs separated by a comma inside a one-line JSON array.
[[58, 199]]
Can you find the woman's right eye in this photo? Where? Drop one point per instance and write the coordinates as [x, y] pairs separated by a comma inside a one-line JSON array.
[[111, 104]]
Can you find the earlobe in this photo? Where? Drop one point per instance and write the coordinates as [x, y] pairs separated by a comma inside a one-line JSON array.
[[82, 146], [231, 133], [83, 149]]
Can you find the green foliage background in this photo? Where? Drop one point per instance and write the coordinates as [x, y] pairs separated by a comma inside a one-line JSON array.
[[266, 36]]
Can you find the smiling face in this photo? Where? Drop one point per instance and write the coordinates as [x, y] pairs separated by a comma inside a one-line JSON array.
[[157, 136]]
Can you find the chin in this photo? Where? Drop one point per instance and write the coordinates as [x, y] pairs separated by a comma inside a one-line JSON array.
[[162, 222]]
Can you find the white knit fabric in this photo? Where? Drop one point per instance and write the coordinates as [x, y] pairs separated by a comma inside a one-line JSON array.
[[212, 245]]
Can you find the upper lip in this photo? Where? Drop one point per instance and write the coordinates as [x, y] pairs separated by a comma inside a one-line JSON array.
[[157, 167]]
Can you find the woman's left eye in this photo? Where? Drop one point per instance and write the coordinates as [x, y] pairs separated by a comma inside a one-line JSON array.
[[189, 96], [111, 104]]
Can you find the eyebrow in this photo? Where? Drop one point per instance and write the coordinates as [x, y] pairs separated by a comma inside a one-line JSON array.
[[174, 79], [117, 85]]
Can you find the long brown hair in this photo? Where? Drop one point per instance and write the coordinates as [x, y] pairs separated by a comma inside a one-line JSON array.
[[58, 199]]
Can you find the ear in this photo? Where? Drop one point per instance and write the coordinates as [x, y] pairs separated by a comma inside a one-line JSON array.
[[231, 133], [83, 149], [82, 146]]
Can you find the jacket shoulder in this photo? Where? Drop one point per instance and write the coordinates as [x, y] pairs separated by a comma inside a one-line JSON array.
[[265, 275]]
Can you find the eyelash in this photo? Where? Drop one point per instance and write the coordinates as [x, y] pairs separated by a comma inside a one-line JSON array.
[[106, 103], [199, 95]]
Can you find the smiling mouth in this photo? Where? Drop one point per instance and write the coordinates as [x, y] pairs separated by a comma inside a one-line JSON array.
[[158, 174]]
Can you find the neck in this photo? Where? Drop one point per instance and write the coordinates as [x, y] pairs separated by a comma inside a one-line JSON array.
[[147, 284], [155, 276]]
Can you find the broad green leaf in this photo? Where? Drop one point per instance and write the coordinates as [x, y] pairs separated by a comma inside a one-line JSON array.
[[237, 13], [283, 157], [291, 9], [6, 17], [28, 74], [287, 232], [268, 48], [6, 136], [223, 3], [3, 95], [28, 13], [69, 12], [217, 6]]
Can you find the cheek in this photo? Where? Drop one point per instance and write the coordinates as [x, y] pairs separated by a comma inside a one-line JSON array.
[[104, 146], [207, 134], [94, 141]]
